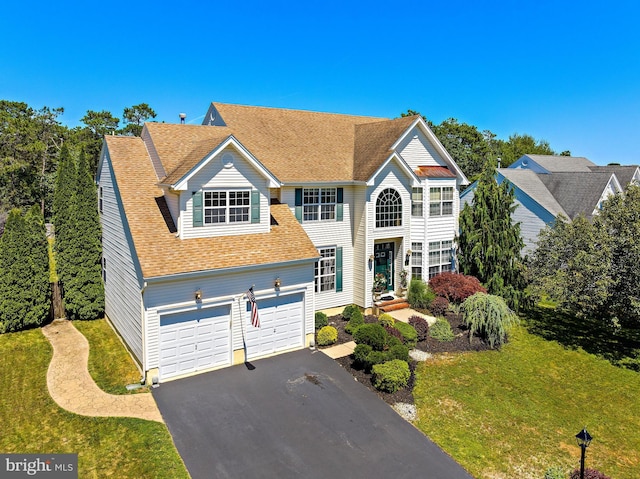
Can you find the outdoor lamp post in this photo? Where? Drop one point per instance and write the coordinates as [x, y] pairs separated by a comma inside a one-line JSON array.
[[584, 439]]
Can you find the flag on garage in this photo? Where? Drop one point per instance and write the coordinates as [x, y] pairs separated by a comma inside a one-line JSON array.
[[255, 320]]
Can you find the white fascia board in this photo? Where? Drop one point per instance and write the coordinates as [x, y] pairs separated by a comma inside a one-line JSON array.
[[312, 184], [273, 182], [420, 123], [615, 183], [403, 165]]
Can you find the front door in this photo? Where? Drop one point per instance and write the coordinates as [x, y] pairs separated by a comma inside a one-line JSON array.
[[384, 262]]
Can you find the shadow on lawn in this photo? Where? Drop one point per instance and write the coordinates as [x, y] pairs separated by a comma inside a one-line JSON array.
[[620, 347]]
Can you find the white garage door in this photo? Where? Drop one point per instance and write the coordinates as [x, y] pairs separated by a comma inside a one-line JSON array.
[[281, 326], [193, 341]]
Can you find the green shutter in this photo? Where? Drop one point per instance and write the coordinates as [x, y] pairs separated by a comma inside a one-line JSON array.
[[255, 206], [338, 269], [339, 207], [299, 204], [197, 209]]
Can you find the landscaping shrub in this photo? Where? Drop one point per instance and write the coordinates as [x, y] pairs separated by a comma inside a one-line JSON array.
[[393, 332], [393, 341], [391, 376], [357, 320], [409, 334], [327, 335], [439, 306], [373, 358], [348, 311], [321, 320], [489, 317], [455, 287], [441, 330], [399, 351], [386, 319], [555, 472], [588, 474], [372, 334], [420, 295], [360, 354], [421, 326]]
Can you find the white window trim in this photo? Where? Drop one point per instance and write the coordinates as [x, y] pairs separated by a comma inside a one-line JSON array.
[[320, 271], [440, 201], [227, 207], [384, 222], [313, 212], [444, 251], [417, 202], [417, 255]]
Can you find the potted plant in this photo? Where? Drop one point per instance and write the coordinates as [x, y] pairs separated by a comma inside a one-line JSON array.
[[379, 284]]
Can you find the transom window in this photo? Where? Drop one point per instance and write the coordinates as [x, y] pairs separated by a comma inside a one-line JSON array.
[[319, 204], [226, 206], [441, 201], [417, 206], [439, 257], [388, 209], [325, 274], [416, 260]]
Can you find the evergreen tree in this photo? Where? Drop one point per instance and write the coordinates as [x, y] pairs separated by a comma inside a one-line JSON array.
[[490, 243], [24, 277], [64, 212], [83, 288]]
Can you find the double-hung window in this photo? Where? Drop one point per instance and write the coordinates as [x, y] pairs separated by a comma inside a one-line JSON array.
[[325, 274], [439, 257], [319, 204], [441, 201], [227, 206], [417, 208], [416, 260]]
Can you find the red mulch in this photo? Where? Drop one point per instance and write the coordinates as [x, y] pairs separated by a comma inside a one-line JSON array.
[[405, 395]]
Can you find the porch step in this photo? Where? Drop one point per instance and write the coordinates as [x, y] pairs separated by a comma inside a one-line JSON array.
[[395, 305]]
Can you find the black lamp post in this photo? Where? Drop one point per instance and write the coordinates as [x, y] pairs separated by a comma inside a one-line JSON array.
[[584, 439]]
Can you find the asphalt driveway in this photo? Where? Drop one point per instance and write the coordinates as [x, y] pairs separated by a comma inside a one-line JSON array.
[[290, 416]]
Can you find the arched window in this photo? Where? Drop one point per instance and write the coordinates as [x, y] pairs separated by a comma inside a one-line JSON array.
[[388, 209]]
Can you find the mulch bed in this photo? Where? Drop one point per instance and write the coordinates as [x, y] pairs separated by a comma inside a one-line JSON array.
[[433, 346]]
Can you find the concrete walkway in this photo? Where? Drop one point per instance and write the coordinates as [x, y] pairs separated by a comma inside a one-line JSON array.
[[73, 388]]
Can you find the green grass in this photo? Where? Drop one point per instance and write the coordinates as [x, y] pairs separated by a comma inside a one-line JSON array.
[[31, 422], [515, 412], [110, 365]]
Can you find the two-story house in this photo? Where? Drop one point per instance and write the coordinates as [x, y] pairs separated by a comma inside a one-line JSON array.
[[302, 207]]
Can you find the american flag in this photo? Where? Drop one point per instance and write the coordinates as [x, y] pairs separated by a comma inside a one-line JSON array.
[[255, 320]]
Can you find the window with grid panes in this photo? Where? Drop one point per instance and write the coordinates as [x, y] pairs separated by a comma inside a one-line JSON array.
[[388, 209], [319, 204], [417, 203], [416, 260], [441, 201], [226, 207], [325, 274], [439, 257]]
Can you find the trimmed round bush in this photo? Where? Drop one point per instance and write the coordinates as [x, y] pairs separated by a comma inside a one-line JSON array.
[[399, 351], [321, 320], [409, 333], [421, 326], [373, 358], [327, 335], [391, 376], [347, 312], [441, 330], [357, 320], [360, 354], [386, 319], [439, 306], [372, 334]]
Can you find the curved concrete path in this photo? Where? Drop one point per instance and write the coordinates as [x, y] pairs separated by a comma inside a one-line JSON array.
[[73, 388]]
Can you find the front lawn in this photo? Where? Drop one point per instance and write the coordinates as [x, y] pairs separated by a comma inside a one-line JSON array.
[[515, 412], [31, 422]]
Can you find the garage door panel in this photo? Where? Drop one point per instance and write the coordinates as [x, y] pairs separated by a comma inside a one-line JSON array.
[[194, 340]]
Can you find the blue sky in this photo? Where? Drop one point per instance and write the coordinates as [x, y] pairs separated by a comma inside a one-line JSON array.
[[566, 72]]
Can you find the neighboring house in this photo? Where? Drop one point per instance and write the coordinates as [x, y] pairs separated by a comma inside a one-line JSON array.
[[546, 186], [304, 207]]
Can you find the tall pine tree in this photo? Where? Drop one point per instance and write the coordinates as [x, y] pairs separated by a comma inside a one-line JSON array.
[[24, 272], [490, 243]]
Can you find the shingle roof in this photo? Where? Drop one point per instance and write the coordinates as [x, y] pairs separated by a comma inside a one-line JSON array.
[[554, 163], [531, 184], [624, 173], [161, 253], [577, 192], [296, 146]]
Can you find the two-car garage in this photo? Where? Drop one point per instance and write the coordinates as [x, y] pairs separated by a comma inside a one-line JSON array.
[[198, 340]]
